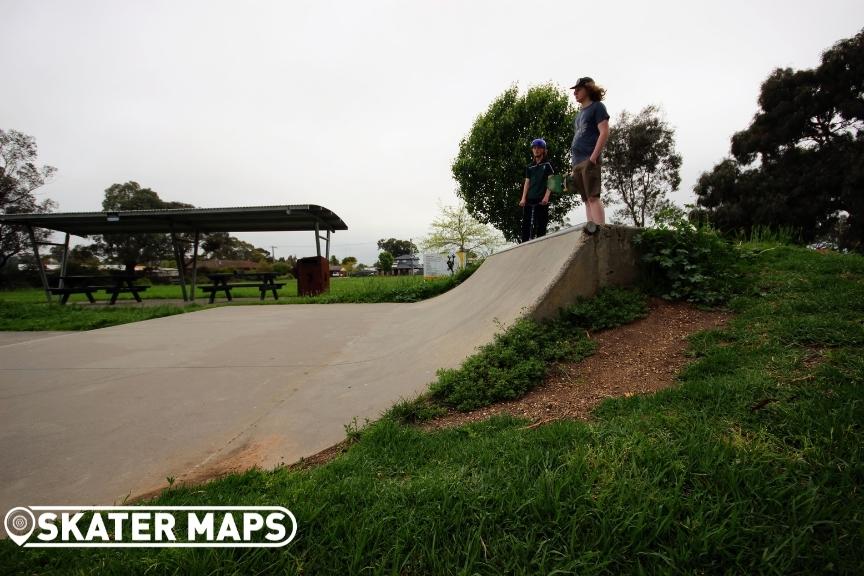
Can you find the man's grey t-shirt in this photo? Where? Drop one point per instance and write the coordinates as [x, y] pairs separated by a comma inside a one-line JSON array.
[[586, 132]]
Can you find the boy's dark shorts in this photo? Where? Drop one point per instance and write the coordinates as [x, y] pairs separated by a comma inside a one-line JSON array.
[[585, 179]]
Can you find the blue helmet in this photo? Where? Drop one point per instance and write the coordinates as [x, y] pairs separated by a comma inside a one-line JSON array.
[[538, 142]]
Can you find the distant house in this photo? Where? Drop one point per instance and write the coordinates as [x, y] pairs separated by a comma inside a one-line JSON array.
[[48, 263], [165, 272], [407, 265], [121, 267], [336, 270]]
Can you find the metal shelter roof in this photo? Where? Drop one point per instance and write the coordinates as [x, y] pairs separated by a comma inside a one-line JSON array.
[[295, 217]]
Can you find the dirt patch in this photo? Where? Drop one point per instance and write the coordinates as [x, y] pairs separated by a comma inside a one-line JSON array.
[[235, 461], [639, 358], [238, 459], [322, 457]]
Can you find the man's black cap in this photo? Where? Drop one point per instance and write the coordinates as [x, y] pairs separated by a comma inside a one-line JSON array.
[[582, 82]]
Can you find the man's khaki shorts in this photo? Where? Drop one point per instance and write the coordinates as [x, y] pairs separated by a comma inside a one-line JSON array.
[[585, 179]]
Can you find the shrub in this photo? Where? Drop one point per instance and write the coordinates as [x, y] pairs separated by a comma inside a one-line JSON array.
[[518, 358], [611, 307], [687, 262]]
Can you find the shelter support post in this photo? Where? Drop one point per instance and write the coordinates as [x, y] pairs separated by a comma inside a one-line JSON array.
[[178, 257], [39, 262], [195, 264], [64, 262], [318, 238]]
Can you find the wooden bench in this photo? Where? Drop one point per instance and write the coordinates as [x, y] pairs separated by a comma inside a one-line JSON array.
[[88, 284], [263, 287], [64, 293], [116, 290], [271, 286]]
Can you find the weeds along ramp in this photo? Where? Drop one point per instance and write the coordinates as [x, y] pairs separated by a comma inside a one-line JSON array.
[[99, 416]]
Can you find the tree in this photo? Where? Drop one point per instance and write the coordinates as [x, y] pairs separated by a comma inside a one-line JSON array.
[[490, 165], [348, 264], [334, 261], [223, 246], [85, 256], [799, 163], [81, 259], [19, 178], [131, 249], [385, 262], [219, 245], [397, 247], [641, 164], [456, 229]]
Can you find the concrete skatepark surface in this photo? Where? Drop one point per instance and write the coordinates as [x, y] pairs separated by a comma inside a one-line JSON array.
[[101, 416]]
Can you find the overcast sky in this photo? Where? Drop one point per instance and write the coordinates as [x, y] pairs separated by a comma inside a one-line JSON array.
[[360, 106]]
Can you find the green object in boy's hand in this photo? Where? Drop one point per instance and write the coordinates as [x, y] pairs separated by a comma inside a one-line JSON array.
[[553, 183]]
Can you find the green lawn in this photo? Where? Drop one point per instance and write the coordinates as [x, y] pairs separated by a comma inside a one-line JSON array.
[[27, 309], [369, 284], [753, 464]]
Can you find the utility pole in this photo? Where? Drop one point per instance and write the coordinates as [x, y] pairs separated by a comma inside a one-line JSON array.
[[273, 254]]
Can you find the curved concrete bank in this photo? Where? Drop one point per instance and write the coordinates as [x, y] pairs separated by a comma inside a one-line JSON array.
[[95, 417]]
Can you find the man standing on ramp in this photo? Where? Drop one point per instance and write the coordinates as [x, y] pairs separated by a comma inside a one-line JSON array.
[[536, 193], [591, 130]]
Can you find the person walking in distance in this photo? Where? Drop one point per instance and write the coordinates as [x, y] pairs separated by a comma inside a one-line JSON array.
[[591, 130], [536, 193]]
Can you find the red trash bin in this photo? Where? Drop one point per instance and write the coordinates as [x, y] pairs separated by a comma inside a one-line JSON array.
[[313, 276]]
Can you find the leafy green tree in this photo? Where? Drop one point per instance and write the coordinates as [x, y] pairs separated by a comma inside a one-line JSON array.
[[456, 230], [19, 178], [223, 246], [490, 165], [334, 261], [282, 269], [218, 245], [641, 165], [799, 163], [348, 264], [397, 247], [385, 262], [131, 249], [81, 259]]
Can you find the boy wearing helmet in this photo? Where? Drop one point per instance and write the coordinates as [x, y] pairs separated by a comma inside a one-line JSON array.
[[536, 193], [591, 130]]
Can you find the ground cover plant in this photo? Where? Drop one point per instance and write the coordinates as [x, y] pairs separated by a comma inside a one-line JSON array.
[[751, 465], [519, 357]]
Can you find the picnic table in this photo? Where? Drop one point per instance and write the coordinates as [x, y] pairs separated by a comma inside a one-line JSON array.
[[264, 281], [115, 284]]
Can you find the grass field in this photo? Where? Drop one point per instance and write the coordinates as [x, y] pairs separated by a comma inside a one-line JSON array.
[[26, 309], [753, 464], [338, 286]]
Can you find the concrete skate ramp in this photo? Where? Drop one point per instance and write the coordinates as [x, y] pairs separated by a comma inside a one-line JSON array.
[[96, 417]]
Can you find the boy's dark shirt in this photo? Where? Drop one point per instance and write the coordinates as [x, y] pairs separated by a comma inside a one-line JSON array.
[[538, 175]]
